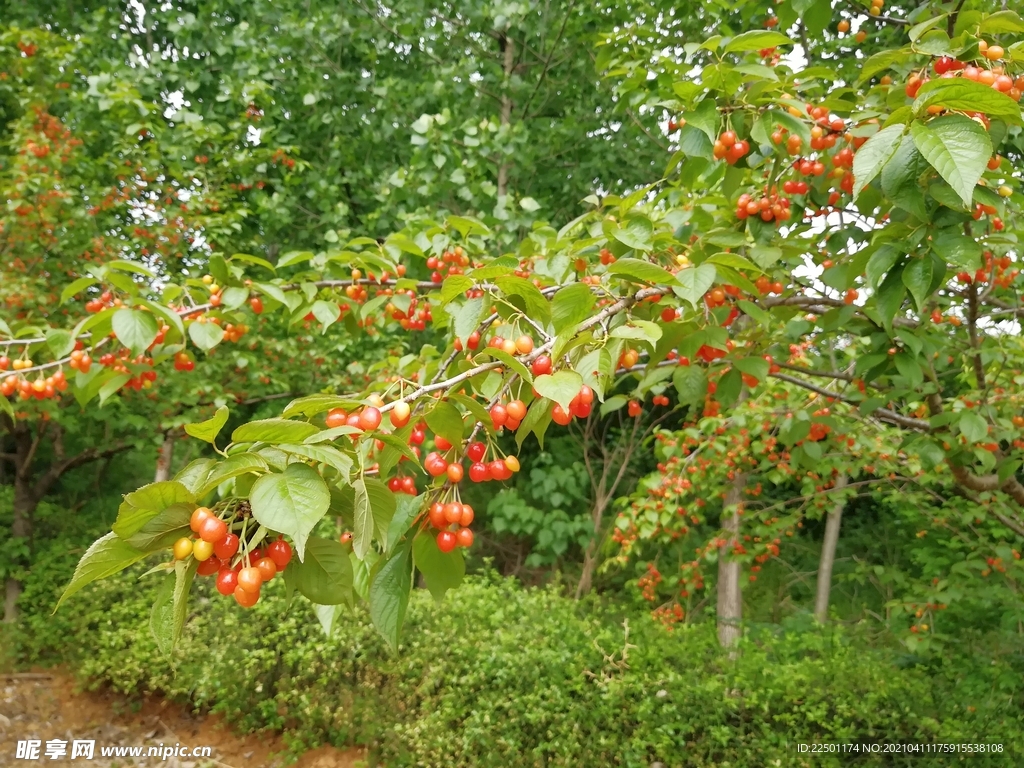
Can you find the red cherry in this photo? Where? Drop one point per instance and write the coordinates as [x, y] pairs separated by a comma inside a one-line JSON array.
[[227, 547], [498, 415], [267, 568], [455, 472], [441, 443], [200, 514], [478, 472], [227, 581], [280, 552], [475, 451], [213, 530], [336, 418], [560, 416], [250, 579], [541, 366], [446, 541], [209, 566], [246, 598], [369, 418], [464, 537], [436, 515], [516, 410]]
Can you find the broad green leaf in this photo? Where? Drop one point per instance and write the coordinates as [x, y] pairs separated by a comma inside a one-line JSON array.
[[208, 430], [972, 426], [961, 94], [273, 431], [691, 383], [291, 502], [107, 556], [146, 503], [76, 287], [643, 271], [694, 282], [325, 574], [441, 571], [571, 305], [325, 454], [59, 341], [206, 336], [164, 529], [389, 595], [135, 329], [754, 366], [890, 294], [732, 260], [755, 40], [917, 276], [880, 263], [233, 466], [170, 609], [455, 286], [560, 387], [406, 509], [193, 475], [467, 317], [250, 259], [638, 330], [901, 178], [537, 421], [873, 155], [957, 147], [446, 420], [311, 405], [536, 306], [327, 312], [636, 233]]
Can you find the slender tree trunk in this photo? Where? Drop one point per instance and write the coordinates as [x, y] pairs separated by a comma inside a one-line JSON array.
[[24, 506], [508, 51], [163, 460], [730, 594], [828, 555], [590, 553]]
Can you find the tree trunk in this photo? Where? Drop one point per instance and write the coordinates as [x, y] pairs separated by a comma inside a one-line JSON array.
[[163, 460], [828, 554], [508, 51], [730, 595], [24, 506]]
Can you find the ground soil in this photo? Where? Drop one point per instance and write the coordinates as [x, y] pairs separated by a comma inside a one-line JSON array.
[[48, 704]]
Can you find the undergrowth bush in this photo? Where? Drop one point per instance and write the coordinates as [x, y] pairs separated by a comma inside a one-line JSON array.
[[502, 676]]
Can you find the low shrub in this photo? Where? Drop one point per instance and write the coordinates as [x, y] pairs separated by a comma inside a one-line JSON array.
[[502, 676]]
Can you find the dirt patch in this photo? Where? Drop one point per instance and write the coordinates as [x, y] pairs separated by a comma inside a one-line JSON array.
[[47, 706]]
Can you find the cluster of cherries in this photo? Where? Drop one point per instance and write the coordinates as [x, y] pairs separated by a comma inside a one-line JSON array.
[[729, 148], [40, 389], [770, 206], [104, 300], [480, 470], [215, 547], [450, 263], [996, 78], [452, 521]]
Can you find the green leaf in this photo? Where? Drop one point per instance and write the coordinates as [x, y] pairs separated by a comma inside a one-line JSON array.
[[441, 571], [170, 609], [537, 421], [324, 454], [389, 596], [972, 426], [311, 405], [234, 466], [636, 233], [146, 503], [455, 286], [694, 282], [59, 341], [164, 529], [958, 249], [571, 305], [107, 556], [643, 271], [6, 407], [193, 475], [76, 287], [294, 257], [874, 154], [901, 178], [638, 330], [765, 256], [374, 508], [536, 306], [112, 385], [325, 575], [560, 387], [208, 430], [273, 431], [406, 509], [961, 94], [755, 40], [754, 366], [881, 262], [917, 276], [691, 383], [467, 317], [206, 336], [510, 361], [889, 297], [291, 502], [446, 420], [880, 62], [250, 259], [502, 265], [957, 147], [327, 312], [1001, 22], [749, 308], [135, 329]]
